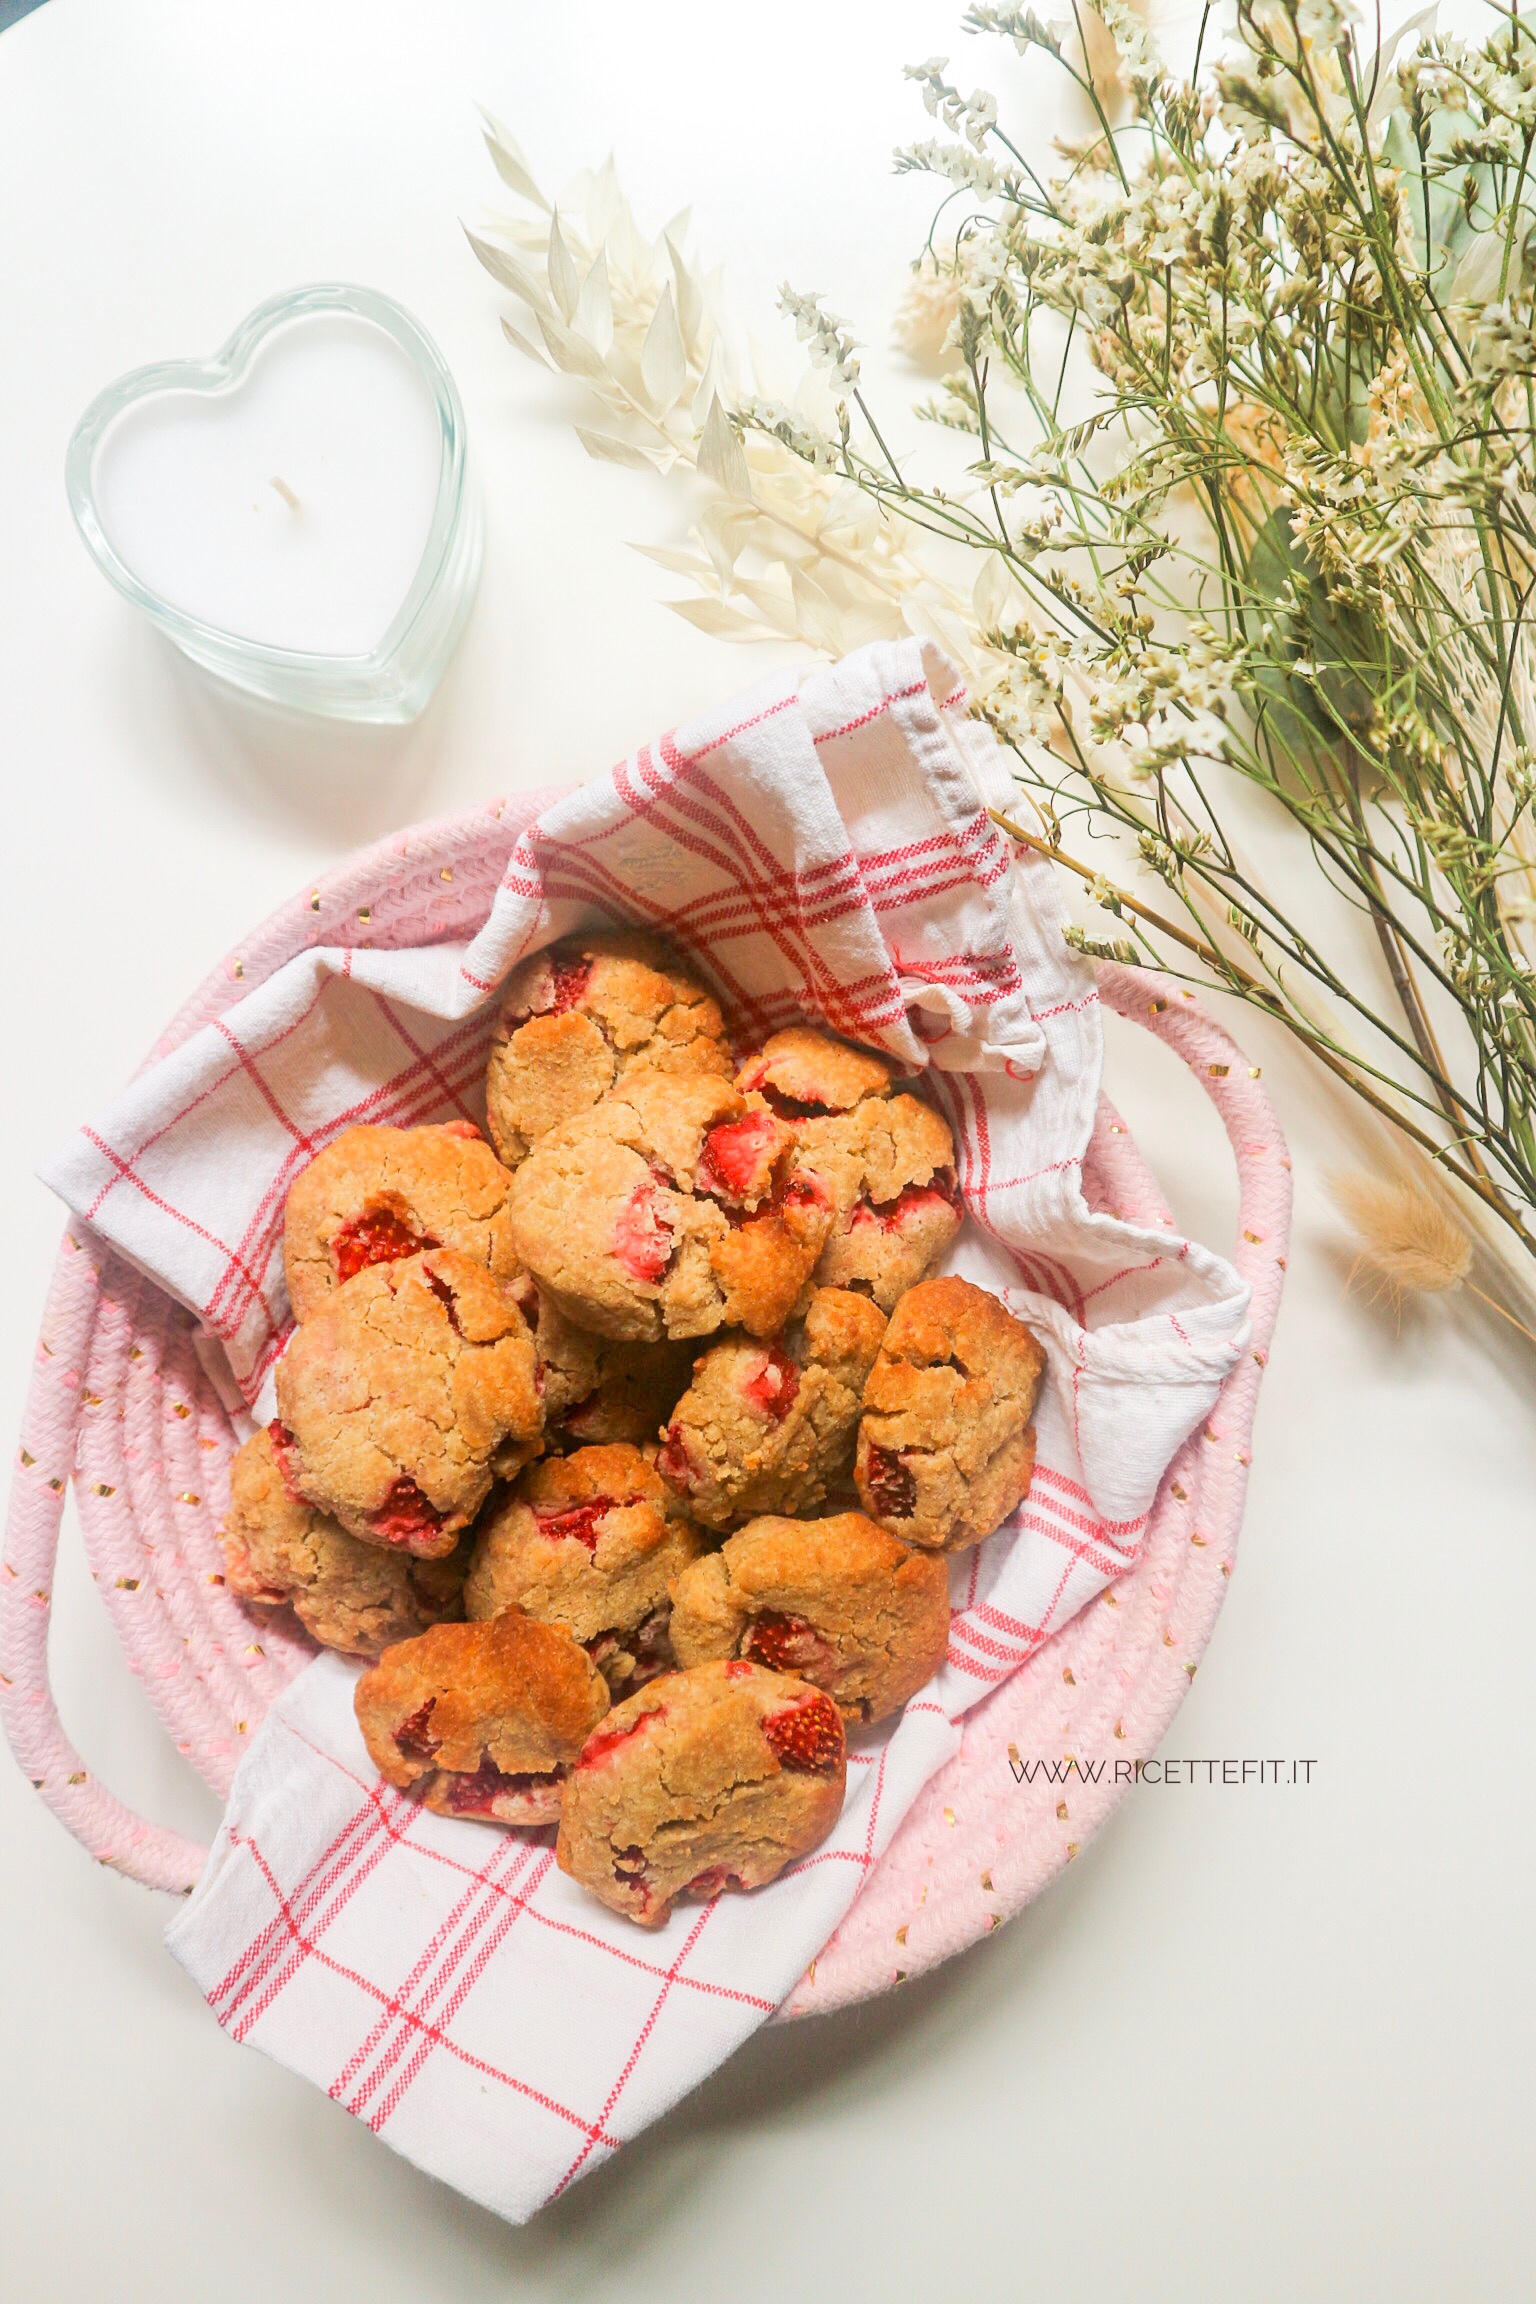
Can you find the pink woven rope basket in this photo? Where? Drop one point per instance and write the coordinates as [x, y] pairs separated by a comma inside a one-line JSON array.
[[121, 1405]]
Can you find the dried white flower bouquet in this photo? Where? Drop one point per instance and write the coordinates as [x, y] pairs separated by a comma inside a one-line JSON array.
[[1242, 553]]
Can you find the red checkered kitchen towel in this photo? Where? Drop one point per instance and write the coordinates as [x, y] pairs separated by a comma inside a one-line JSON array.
[[819, 848]]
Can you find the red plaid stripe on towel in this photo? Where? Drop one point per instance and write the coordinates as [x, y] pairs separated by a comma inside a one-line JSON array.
[[820, 849]]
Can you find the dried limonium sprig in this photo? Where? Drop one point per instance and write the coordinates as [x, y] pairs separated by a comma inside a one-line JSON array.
[[1251, 381], [1251, 507]]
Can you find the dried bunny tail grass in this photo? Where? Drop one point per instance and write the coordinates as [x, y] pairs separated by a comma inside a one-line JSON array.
[[1409, 1239], [1412, 1243]]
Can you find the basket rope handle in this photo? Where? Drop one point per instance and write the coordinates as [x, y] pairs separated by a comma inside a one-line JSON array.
[[149, 1853], [153, 1854]]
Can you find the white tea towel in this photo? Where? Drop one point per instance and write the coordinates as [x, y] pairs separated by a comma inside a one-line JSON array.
[[820, 849]]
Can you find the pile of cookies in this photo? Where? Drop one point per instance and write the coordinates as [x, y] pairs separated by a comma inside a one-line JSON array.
[[632, 1443]]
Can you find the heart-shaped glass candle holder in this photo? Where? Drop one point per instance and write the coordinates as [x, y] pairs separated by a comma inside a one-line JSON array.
[[297, 512]]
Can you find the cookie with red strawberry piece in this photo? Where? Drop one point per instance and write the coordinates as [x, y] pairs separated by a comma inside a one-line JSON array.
[[888, 1159], [279, 1552], [483, 1720], [379, 1194], [588, 1541], [836, 1601], [946, 1447], [596, 1390], [577, 1019], [404, 1397], [769, 1426], [705, 1780], [673, 1208]]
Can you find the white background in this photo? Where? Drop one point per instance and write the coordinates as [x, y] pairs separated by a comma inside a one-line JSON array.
[[1257, 2044]]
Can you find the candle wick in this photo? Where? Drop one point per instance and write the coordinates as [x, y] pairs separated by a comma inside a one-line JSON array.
[[293, 503]]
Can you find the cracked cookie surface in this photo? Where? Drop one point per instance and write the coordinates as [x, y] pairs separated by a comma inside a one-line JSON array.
[[587, 1541], [379, 1194], [946, 1447], [888, 1159], [356, 1597], [769, 1426], [836, 1601], [709, 1779], [404, 1396], [673, 1208], [484, 1720], [577, 1019]]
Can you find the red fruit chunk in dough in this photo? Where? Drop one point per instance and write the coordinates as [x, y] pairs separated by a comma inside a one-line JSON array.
[[575, 1520], [785, 1643], [414, 1735], [285, 1456], [707, 1884], [604, 1741], [733, 1154], [378, 1236], [569, 979], [672, 1462], [404, 1513], [807, 1737], [642, 1237], [915, 1200], [892, 1487], [772, 1390], [472, 1795]]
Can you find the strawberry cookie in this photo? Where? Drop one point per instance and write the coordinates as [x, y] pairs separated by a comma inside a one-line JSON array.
[[378, 1194], [485, 1720], [596, 1390], [710, 1779], [675, 1207], [403, 1398], [946, 1447], [587, 1541], [888, 1160], [355, 1597], [578, 1019], [837, 1602], [769, 1427]]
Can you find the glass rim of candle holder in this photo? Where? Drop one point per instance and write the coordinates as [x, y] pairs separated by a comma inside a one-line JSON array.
[[394, 680]]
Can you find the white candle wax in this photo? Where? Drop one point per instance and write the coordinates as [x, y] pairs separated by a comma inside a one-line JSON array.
[[291, 507]]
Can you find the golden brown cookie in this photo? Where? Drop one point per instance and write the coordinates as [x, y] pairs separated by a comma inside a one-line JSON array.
[[403, 1398], [356, 1597], [577, 1019], [706, 1780], [888, 1160], [672, 1208], [769, 1427], [485, 1719], [378, 1194], [837, 1601], [587, 1541], [946, 1447]]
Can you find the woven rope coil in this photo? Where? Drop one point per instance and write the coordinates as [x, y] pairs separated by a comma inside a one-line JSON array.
[[121, 1405]]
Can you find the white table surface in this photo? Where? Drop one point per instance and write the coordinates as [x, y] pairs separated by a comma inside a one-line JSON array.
[[1258, 2043]]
